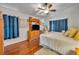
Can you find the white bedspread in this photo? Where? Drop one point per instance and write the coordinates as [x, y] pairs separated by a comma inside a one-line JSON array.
[[57, 41]]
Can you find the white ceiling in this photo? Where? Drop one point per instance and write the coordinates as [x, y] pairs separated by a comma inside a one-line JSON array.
[[29, 8]]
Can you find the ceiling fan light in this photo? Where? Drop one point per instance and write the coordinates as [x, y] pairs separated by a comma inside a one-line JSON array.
[[46, 11]]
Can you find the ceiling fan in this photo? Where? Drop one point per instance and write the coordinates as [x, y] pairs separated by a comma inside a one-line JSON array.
[[46, 8]]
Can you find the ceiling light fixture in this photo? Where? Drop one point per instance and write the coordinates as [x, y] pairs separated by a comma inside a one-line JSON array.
[[46, 8], [46, 11]]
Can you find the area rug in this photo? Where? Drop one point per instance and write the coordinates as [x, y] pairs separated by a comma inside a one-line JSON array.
[[45, 51]]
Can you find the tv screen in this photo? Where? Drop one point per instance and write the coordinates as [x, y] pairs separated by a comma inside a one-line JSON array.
[[35, 27]]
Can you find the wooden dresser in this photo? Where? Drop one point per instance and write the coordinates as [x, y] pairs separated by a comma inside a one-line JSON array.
[[34, 37]]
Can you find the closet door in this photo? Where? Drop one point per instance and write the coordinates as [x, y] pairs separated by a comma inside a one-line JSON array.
[[10, 27], [6, 26]]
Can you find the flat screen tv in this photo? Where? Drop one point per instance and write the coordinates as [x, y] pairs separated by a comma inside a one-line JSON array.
[[35, 27]]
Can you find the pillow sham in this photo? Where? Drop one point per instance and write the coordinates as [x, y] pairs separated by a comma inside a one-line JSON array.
[[77, 36], [72, 32]]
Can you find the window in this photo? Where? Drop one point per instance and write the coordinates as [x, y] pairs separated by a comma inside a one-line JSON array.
[[58, 25], [11, 27]]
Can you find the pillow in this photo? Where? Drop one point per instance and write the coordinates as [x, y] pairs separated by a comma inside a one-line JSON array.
[[77, 51], [77, 36], [66, 33], [72, 32]]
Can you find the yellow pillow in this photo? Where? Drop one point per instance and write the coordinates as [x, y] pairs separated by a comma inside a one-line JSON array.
[[72, 32], [66, 33], [77, 36]]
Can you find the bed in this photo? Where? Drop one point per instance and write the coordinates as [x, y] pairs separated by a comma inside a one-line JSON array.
[[58, 42]]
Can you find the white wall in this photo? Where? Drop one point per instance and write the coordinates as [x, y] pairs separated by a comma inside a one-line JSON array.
[[13, 12], [72, 14], [22, 29]]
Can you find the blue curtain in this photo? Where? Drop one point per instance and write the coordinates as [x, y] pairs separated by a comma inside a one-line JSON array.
[[6, 26], [55, 26], [11, 27], [16, 27], [58, 25], [50, 25], [63, 24]]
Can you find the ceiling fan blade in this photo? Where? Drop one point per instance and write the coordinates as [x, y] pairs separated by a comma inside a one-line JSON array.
[[53, 10], [49, 6], [40, 12], [41, 8], [45, 4]]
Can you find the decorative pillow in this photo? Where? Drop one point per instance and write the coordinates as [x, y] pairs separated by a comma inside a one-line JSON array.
[[77, 36], [66, 33], [72, 32]]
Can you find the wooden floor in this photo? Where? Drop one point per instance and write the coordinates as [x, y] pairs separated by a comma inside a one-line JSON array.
[[22, 48]]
